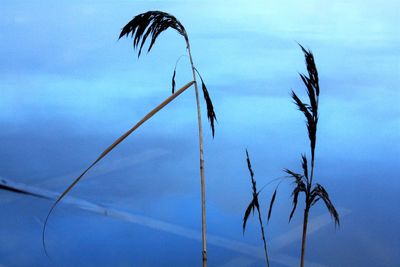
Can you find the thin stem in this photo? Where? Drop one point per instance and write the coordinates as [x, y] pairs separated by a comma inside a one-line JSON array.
[[308, 194], [312, 161], [109, 149], [315, 117], [263, 237], [202, 178], [178, 60], [304, 237], [274, 180], [306, 210]]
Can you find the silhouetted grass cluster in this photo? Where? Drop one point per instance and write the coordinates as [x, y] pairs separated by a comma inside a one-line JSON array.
[[303, 181], [150, 25]]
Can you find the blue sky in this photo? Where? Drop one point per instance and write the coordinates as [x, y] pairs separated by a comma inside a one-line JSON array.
[[68, 88]]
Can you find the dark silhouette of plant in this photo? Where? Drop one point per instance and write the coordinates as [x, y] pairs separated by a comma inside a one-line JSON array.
[[150, 25], [304, 182], [255, 205]]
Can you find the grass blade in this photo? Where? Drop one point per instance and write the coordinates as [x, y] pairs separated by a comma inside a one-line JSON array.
[[249, 209], [210, 108], [173, 81], [108, 150], [270, 205], [295, 195], [323, 194], [305, 166]]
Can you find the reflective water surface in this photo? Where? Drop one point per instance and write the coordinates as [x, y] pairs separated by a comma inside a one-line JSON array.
[[69, 89]]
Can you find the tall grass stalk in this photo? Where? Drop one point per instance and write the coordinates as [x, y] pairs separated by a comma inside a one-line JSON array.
[[304, 182], [255, 205], [149, 25]]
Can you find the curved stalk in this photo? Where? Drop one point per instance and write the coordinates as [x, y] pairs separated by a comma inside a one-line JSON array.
[[202, 178], [151, 24], [108, 150]]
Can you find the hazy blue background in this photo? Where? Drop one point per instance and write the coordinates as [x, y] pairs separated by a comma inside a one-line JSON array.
[[68, 88]]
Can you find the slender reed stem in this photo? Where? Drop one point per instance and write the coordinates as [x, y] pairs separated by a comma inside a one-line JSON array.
[[263, 237], [308, 196], [108, 150], [202, 178], [304, 237]]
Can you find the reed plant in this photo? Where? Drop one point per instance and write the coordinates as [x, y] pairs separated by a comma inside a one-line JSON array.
[[304, 182], [143, 27], [313, 192], [255, 205]]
